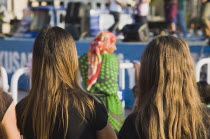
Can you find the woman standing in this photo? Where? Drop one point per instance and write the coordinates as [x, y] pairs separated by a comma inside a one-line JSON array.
[[57, 107], [143, 11], [168, 106], [99, 70]]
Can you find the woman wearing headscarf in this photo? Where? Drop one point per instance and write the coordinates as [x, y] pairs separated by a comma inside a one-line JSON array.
[[99, 70]]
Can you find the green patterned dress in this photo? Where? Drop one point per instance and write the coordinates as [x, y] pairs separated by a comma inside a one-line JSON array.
[[106, 86]]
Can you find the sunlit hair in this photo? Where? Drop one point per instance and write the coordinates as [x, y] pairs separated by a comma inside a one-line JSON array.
[[204, 91], [168, 101], [54, 78], [2, 108], [2, 102]]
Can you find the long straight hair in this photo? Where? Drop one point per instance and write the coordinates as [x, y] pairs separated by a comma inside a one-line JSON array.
[[2, 102], [54, 77], [168, 103], [2, 110]]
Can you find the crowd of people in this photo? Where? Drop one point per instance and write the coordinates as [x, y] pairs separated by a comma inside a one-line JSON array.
[[168, 101], [175, 17]]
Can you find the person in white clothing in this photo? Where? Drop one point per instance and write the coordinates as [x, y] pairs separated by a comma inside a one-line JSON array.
[[143, 11], [115, 10]]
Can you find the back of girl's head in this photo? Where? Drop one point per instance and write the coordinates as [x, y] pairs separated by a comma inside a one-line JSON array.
[[54, 58], [168, 100], [54, 79], [167, 64], [204, 90]]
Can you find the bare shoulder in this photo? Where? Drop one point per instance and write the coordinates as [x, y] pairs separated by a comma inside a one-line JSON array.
[[9, 123], [106, 133]]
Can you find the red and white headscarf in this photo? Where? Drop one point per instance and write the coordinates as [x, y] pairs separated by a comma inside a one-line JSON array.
[[98, 46]]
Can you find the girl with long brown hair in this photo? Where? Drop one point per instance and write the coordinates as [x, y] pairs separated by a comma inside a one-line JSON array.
[[168, 106], [56, 106]]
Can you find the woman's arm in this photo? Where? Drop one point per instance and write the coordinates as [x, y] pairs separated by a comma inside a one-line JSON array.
[[136, 67], [148, 1], [203, 1], [120, 3], [106, 133], [9, 123]]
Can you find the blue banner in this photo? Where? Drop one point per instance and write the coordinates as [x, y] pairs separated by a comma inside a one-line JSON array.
[[15, 54]]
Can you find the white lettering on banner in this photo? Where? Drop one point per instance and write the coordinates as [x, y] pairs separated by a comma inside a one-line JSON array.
[[6, 62], [16, 58], [23, 60], [12, 61], [1, 56]]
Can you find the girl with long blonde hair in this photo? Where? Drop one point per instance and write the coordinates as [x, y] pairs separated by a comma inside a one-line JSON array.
[[56, 106], [168, 106]]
